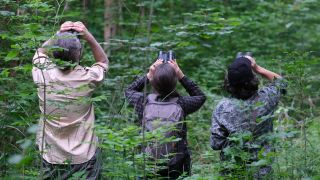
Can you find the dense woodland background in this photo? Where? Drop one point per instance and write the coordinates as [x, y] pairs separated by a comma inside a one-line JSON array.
[[205, 34]]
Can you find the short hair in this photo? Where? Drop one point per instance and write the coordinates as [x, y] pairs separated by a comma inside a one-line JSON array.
[[243, 90], [165, 79], [71, 47]]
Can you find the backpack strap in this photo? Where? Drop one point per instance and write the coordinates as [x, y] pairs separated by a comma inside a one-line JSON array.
[[152, 98]]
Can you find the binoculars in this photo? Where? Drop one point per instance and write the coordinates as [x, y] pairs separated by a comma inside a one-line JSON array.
[[74, 32], [240, 54], [166, 56]]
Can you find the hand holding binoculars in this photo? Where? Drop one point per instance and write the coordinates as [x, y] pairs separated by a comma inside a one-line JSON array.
[[166, 56], [241, 54]]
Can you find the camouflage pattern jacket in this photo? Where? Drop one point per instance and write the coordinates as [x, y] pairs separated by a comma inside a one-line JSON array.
[[254, 115]]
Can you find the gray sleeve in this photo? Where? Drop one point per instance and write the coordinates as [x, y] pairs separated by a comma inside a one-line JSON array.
[[219, 133], [269, 96]]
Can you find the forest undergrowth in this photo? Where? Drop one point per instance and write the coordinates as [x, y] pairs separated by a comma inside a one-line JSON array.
[[206, 35]]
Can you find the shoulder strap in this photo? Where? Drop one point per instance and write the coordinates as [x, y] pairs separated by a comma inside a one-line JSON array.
[[152, 98]]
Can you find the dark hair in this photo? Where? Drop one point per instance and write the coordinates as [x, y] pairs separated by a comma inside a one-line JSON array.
[[71, 47], [244, 90], [165, 79]]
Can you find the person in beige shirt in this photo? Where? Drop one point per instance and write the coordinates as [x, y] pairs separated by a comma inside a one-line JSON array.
[[65, 137]]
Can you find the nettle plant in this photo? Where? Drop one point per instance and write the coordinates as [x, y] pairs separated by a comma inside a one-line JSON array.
[[206, 36], [23, 31]]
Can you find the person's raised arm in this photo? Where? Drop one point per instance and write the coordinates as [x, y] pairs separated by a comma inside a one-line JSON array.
[[50, 42], [42, 52], [137, 86], [196, 99], [270, 94], [134, 94], [97, 51], [45, 45], [262, 71]]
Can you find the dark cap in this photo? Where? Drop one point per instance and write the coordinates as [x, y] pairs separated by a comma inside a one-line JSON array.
[[240, 71]]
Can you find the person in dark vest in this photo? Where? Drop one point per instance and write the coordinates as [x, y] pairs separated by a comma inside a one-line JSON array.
[[165, 103], [248, 110]]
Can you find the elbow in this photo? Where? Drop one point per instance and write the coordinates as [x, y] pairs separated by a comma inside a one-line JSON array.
[[41, 50], [104, 60], [127, 94], [217, 143], [216, 146], [203, 99], [128, 98]]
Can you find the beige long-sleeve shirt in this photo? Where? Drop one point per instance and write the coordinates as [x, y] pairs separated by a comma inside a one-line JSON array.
[[65, 133]]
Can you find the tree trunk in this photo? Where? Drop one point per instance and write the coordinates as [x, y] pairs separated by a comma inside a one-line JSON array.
[[150, 21], [120, 15], [109, 28], [85, 5], [66, 6]]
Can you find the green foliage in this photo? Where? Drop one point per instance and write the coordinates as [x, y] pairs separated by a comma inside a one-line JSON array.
[[205, 36]]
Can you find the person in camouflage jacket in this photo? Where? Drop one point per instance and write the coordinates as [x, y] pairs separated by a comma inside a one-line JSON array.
[[249, 110]]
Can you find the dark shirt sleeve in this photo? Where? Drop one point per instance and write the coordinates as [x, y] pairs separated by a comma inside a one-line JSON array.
[[196, 99], [135, 96]]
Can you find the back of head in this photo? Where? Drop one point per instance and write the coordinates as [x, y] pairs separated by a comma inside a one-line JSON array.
[[165, 79], [240, 81], [69, 47]]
